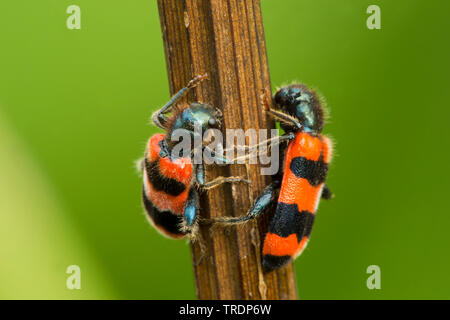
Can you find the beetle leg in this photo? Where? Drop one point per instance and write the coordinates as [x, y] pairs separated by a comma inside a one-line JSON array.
[[159, 117], [265, 200]]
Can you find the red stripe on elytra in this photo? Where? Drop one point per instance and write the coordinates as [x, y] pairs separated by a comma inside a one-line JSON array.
[[164, 201], [298, 191], [279, 246], [304, 145], [179, 169]]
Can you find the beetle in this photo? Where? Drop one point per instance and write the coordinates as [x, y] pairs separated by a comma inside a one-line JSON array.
[[171, 182], [300, 112]]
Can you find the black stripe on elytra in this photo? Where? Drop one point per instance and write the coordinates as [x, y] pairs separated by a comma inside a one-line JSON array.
[[160, 182], [163, 219], [271, 262], [314, 171], [288, 220]]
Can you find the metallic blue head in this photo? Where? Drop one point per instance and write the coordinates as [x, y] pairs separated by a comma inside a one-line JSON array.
[[198, 115], [303, 104], [194, 120]]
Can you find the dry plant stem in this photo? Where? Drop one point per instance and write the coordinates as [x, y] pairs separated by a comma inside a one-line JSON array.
[[226, 40]]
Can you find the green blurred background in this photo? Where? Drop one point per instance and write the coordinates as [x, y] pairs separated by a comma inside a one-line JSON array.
[[74, 111]]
